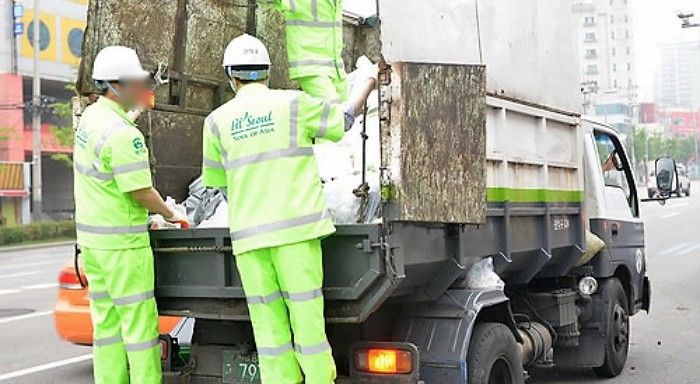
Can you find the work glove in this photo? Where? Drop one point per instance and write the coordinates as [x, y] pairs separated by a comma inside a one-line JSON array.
[[178, 218], [366, 70]]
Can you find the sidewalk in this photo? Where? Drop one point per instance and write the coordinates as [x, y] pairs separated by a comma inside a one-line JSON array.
[[29, 246]]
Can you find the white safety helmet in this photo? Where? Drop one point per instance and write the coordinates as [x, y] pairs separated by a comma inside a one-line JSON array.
[[247, 58], [116, 63]]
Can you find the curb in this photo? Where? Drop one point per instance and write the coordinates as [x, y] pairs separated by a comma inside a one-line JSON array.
[[28, 247]]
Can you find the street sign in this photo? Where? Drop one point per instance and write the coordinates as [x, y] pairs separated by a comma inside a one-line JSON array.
[[18, 10], [19, 28]]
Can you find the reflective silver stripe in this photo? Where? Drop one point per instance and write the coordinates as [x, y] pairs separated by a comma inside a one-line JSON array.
[[312, 349], [314, 24], [335, 101], [100, 143], [303, 296], [87, 171], [135, 347], [137, 298], [267, 156], [141, 165], [323, 125], [252, 300], [314, 9], [98, 295], [106, 341], [294, 122], [117, 230], [307, 63], [268, 351], [213, 164], [213, 127], [292, 6], [279, 225]]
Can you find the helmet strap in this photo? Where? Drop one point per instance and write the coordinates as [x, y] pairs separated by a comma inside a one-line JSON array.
[[111, 88]]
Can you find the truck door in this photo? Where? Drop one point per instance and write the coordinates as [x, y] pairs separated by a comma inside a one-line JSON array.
[[620, 226]]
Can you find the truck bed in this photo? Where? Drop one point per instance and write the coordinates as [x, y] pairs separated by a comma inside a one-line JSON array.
[[367, 265]]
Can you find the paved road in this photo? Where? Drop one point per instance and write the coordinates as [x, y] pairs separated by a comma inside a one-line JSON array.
[[663, 350]]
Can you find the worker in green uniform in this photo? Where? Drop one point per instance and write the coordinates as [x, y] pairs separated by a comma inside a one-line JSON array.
[[258, 146], [315, 46], [113, 194]]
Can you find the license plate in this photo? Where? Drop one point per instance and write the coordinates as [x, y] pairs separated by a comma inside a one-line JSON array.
[[240, 368]]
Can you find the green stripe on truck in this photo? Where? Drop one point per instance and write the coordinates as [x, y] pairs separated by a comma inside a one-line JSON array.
[[502, 195]]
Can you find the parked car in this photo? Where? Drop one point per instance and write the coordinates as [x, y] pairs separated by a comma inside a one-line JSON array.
[[72, 311]]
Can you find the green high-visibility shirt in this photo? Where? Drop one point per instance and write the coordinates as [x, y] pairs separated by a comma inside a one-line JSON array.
[[110, 160], [258, 146], [314, 37]]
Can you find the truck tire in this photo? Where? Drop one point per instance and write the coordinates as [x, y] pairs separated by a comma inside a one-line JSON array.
[[494, 356], [617, 329]]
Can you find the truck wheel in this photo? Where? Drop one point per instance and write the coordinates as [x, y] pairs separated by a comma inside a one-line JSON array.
[[617, 330], [494, 356]]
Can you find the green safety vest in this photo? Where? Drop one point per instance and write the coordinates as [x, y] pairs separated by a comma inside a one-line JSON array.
[[110, 160], [258, 145], [314, 37]]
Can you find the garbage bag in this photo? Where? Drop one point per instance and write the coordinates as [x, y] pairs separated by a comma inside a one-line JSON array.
[[219, 219], [482, 276]]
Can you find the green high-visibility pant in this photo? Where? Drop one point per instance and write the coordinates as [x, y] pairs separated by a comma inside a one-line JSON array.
[[124, 316], [333, 89], [285, 301]]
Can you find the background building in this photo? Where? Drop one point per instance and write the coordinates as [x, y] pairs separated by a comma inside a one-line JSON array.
[[677, 83], [606, 51], [61, 34]]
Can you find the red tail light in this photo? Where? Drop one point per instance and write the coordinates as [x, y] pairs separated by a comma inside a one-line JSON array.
[[69, 280], [384, 360]]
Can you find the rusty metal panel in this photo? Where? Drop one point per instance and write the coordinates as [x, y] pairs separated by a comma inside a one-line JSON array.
[[175, 144], [434, 142]]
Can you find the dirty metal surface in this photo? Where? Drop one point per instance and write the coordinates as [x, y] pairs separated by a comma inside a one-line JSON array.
[[435, 143], [190, 36]]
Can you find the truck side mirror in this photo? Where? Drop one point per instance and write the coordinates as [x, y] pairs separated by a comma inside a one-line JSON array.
[[665, 175]]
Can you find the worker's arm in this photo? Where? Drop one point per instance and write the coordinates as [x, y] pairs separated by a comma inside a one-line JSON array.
[[213, 172], [151, 200], [328, 121], [359, 97], [126, 154]]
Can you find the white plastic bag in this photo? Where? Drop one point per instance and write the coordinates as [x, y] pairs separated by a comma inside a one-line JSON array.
[[482, 276], [219, 219]]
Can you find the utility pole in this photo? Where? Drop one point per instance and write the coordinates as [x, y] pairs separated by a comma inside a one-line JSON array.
[[37, 211]]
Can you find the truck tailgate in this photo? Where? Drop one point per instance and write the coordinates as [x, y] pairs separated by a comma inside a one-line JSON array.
[[196, 274]]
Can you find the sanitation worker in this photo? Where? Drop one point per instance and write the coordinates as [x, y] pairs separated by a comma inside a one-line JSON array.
[[258, 146], [113, 194], [314, 30]]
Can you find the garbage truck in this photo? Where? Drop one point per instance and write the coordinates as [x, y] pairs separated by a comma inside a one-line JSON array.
[[507, 235]]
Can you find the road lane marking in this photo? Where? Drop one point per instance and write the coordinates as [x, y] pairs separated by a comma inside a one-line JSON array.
[[669, 215], [19, 274], [25, 317], [674, 248], [8, 291], [25, 265], [41, 286], [45, 367]]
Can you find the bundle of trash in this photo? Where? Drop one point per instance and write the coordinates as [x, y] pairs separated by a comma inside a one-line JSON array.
[[204, 207], [351, 198]]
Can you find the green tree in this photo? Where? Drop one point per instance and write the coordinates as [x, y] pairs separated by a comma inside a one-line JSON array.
[[64, 133]]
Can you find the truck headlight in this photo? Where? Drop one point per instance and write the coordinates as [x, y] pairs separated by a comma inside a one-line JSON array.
[[588, 285]]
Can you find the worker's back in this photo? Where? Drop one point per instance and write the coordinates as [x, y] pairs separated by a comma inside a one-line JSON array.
[[259, 145], [110, 159]]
